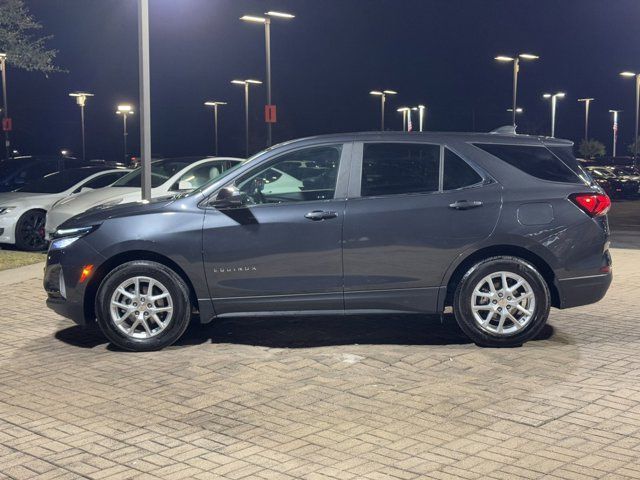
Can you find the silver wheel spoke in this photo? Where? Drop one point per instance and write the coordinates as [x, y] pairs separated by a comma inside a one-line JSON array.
[[133, 307], [507, 313]]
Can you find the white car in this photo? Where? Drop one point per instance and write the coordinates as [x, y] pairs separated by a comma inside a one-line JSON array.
[[168, 176], [22, 212]]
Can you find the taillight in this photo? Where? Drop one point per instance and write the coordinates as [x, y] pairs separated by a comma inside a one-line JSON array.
[[594, 204]]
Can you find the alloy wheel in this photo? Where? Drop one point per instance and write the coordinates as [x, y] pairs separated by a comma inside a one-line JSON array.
[[141, 307], [503, 303]]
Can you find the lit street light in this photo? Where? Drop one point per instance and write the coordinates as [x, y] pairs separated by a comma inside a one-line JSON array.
[[5, 109], [615, 129], [635, 138], [215, 106], [81, 100], [518, 110], [266, 20], [587, 103], [421, 109], [383, 98], [125, 111], [516, 69], [246, 84], [405, 112], [554, 99]]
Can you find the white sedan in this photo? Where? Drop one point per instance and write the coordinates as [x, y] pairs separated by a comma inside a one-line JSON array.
[[22, 212], [168, 176]]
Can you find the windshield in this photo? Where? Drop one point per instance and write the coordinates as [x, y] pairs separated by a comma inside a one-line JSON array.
[[58, 181], [161, 171]]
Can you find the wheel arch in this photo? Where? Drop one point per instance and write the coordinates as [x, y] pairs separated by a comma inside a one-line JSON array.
[[503, 250], [124, 257]]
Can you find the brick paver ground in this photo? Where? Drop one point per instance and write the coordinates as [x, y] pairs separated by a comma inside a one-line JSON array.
[[346, 398]]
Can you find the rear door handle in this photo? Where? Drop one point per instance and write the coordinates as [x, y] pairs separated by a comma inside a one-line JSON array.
[[465, 204], [320, 215]]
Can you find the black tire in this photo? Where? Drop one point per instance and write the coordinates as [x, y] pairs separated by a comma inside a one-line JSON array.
[[174, 284], [464, 293], [30, 231]]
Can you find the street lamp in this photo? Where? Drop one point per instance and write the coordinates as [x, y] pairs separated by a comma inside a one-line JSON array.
[[125, 110], [246, 84], [554, 99], [516, 68], [405, 112], [635, 139], [615, 129], [81, 100], [215, 106], [266, 20], [518, 110], [5, 109], [383, 98], [587, 103], [421, 109]]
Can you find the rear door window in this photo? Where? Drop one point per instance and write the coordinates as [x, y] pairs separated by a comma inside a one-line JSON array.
[[536, 161], [399, 168], [457, 172]]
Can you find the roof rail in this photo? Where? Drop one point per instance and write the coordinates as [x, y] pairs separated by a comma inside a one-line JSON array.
[[505, 130]]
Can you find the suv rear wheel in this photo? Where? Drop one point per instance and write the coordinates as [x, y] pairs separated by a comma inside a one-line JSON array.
[[142, 306], [502, 302]]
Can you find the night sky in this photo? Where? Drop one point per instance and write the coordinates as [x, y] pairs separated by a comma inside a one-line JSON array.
[[325, 61]]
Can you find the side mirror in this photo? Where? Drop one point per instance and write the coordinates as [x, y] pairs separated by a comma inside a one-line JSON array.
[[185, 185], [228, 197]]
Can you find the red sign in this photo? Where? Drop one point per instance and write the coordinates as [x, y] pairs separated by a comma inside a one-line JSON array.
[[7, 125], [270, 113]]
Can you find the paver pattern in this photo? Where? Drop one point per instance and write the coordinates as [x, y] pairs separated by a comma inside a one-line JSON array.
[[331, 397]]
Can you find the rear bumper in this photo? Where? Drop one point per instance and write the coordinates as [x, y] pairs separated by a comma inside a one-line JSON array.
[[583, 290]]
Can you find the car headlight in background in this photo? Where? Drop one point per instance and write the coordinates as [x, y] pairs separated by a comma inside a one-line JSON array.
[[4, 210], [63, 237]]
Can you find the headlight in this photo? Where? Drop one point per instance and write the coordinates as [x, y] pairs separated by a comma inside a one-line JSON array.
[[61, 243], [63, 237], [4, 210]]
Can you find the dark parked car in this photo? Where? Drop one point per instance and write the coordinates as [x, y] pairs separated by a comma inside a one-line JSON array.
[[17, 172], [500, 227], [614, 185]]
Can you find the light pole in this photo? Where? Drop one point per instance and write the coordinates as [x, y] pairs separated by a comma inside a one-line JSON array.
[[125, 110], [404, 111], [421, 110], [587, 103], [554, 99], [615, 129], [246, 84], [5, 109], [266, 20], [81, 100], [145, 98], [635, 139], [383, 98], [516, 69], [215, 106]]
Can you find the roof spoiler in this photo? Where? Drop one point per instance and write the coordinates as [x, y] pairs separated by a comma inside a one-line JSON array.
[[505, 130]]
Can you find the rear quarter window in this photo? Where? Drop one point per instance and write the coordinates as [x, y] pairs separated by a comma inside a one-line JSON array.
[[536, 161]]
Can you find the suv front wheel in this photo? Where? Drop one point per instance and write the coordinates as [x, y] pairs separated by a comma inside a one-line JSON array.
[[143, 305], [502, 302]]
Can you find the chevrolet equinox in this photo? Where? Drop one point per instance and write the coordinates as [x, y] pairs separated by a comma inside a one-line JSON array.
[[498, 226]]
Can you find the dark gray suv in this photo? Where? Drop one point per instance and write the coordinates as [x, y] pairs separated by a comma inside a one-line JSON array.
[[500, 227]]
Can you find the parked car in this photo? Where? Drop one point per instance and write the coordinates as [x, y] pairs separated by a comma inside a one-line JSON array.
[[615, 186], [22, 212], [500, 227], [168, 177], [17, 172], [625, 172]]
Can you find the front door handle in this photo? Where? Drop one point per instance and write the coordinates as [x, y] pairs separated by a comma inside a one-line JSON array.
[[465, 204], [320, 215]]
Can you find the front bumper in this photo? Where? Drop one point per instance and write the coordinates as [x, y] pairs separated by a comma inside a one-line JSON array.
[[65, 291]]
